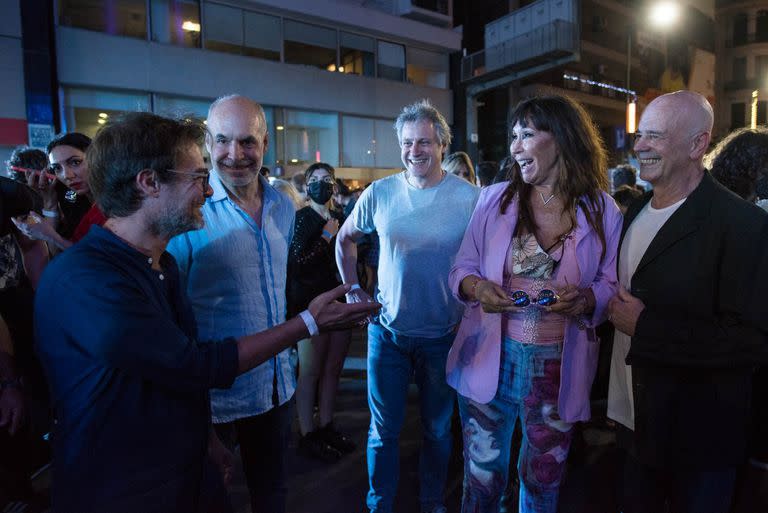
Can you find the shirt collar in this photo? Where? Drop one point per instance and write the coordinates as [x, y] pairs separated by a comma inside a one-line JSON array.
[[220, 193]]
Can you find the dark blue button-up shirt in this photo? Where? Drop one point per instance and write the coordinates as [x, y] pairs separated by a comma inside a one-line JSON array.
[[129, 382]]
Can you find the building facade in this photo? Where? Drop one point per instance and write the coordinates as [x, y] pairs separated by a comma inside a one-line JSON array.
[[331, 74], [742, 46]]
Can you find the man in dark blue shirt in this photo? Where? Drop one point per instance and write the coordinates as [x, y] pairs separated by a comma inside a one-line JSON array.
[[116, 334]]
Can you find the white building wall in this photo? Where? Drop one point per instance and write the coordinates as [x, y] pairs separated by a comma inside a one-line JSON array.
[[95, 60]]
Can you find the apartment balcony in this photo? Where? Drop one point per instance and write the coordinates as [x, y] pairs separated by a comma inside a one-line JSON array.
[[523, 54], [747, 39], [742, 83]]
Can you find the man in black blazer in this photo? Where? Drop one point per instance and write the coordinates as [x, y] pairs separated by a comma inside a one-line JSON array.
[[689, 257]]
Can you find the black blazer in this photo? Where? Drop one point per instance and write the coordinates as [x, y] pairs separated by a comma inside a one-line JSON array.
[[695, 347]]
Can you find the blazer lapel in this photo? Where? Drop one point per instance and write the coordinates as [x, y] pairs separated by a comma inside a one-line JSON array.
[[502, 229], [686, 220]]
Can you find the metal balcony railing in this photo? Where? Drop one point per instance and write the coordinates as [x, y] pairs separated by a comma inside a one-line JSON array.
[[747, 39], [550, 41]]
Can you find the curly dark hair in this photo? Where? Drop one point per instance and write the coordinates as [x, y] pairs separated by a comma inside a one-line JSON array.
[[581, 155], [28, 158], [740, 159]]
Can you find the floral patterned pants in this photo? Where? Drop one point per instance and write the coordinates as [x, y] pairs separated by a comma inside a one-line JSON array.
[[529, 384]]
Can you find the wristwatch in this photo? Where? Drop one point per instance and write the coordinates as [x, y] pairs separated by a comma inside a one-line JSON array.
[[11, 383]]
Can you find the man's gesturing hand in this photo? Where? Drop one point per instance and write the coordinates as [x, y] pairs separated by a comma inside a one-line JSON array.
[[332, 315]]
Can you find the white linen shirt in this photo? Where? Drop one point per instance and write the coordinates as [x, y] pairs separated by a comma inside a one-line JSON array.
[[235, 276]]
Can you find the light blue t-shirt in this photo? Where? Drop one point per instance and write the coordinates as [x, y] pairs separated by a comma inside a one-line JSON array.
[[234, 273], [420, 231]]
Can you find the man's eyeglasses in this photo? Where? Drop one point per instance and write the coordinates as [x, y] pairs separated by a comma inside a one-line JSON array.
[[521, 298], [204, 176]]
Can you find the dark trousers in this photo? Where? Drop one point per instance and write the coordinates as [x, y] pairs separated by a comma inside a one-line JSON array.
[[647, 489], [263, 441]]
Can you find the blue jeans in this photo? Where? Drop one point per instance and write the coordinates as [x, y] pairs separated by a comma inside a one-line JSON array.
[[392, 360], [529, 385]]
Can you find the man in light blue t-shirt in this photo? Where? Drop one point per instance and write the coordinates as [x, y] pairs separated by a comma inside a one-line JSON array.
[[420, 216]]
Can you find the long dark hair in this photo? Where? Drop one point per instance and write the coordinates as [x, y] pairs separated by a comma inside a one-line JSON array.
[[582, 161]]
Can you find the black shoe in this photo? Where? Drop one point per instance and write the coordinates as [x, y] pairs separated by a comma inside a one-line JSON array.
[[313, 445], [337, 439]]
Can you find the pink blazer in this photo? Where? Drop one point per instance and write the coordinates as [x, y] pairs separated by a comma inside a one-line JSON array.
[[473, 362]]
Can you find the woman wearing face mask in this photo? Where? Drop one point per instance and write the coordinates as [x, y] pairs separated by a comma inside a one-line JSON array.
[[311, 270]]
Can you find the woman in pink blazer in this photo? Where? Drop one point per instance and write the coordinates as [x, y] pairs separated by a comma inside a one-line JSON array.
[[536, 269]]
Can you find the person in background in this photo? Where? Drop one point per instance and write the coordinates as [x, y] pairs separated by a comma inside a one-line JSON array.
[[289, 190], [68, 207], [311, 268], [536, 270], [343, 198], [740, 160], [298, 181], [624, 174], [420, 215], [460, 164], [486, 172], [625, 196], [740, 163]]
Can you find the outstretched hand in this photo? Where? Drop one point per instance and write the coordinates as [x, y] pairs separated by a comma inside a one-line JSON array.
[[331, 315]]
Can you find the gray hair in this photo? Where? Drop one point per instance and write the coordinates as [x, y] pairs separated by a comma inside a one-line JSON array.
[[240, 98], [424, 111]]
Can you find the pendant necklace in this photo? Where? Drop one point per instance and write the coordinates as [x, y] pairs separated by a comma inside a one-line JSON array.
[[545, 201]]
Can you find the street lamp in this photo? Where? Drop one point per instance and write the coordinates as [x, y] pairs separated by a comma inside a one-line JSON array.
[[662, 15]]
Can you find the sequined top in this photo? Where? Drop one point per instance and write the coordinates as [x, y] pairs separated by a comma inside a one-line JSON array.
[[530, 269]]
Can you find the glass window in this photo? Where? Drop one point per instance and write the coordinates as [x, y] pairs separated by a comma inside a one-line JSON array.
[[116, 17], [262, 36], [439, 6], [427, 68], [740, 68], [761, 26], [85, 110], [310, 45], [176, 22], [761, 67], [358, 142], [309, 137], [223, 28], [740, 29], [176, 106], [738, 114], [387, 145], [391, 61], [357, 54]]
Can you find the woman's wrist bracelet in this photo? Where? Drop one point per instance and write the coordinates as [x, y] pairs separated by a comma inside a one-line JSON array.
[[50, 213], [327, 234]]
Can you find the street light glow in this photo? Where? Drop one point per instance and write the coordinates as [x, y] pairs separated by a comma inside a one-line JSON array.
[[664, 14]]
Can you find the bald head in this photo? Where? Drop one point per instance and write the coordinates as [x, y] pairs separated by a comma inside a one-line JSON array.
[[236, 105], [671, 140], [690, 113]]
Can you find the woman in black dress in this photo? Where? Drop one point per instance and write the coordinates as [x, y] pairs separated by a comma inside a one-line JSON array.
[[311, 270]]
